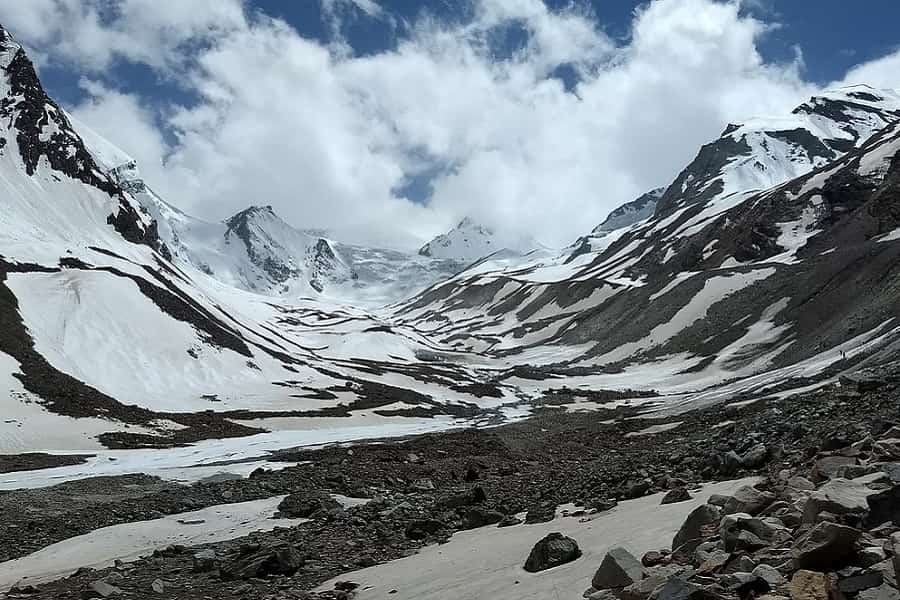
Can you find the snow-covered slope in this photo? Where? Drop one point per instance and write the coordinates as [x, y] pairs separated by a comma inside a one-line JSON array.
[[106, 338], [469, 241]]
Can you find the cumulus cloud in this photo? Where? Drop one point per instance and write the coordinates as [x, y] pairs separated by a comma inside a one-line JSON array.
[[331, 139]]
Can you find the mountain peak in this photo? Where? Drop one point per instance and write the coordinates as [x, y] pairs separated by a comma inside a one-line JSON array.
[[470, 240]]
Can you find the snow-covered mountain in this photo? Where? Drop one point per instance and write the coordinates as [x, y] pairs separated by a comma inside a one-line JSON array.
[[469, 241], [257, 251]]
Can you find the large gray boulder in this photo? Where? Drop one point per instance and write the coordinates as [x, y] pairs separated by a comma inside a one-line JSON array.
[[619, 569], [840, 497]]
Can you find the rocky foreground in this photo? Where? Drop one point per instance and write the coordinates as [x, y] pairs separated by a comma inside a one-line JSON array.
[[819, 523]]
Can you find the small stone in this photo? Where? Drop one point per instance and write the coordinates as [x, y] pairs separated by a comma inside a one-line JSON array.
[[618, 569], [509, 521], [553, 550], [158, 586], [653, 558], [101, 589]]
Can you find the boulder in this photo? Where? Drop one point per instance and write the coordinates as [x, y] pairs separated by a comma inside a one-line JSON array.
[[278, 559], [475, 495], [509, 521], [810, 585], [770, 574], [204, 561], [895, 559], [887, 449], [840, 497], [755, 457], [731, 463], [829, 466], [676, 588], [882, 592], [635, 489], [825, 546], [740, 531], [700, 524], [603, 504], [641, 590], [541, 514], [747, 499], [479, 517], [871, 555], [745, 585], [302, 505], [884, 506], [653, 558], [858, 583], [420, 529], [553, 550], [101, 589], [619, 569], [678, 494]]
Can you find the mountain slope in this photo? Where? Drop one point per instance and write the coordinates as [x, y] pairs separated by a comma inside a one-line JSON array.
[[718, 284]]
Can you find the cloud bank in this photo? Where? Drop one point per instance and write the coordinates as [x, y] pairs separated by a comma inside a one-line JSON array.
[[332, 140]]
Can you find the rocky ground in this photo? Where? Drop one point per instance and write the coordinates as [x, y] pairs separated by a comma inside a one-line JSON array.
[[423, 489]]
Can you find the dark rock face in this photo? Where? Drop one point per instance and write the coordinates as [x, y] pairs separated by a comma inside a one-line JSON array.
[[31, 110], [552, 551]]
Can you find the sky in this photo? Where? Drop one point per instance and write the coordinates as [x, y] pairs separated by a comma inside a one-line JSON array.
[[387, 121]]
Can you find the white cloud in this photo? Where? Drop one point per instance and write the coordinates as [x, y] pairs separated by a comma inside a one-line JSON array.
[[93, 33], [328, 138], [882, 72]]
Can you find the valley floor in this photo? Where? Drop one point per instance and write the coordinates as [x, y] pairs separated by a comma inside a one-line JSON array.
[[409, 494]]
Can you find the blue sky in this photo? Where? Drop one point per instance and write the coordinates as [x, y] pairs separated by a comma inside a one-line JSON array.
[[390, 120]]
